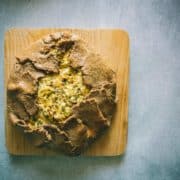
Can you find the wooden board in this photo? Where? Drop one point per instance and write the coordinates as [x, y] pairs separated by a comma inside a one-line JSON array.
[[114, 45]]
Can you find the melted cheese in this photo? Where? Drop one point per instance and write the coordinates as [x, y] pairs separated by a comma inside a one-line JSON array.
[[58, 93]]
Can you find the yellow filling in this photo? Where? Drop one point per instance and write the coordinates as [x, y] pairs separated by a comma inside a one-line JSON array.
[[58, 93]]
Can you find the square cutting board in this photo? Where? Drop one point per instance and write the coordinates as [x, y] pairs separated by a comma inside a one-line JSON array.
[[113, 44]]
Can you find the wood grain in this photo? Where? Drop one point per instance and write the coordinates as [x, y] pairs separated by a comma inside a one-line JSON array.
[[114, 46]]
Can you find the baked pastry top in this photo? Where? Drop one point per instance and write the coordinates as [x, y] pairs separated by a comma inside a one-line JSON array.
[[61, 93]]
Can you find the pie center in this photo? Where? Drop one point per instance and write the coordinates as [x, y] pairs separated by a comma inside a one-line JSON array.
[[57, 93]]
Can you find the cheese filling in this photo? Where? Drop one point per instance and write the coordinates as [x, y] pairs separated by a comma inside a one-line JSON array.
[[58, 93]]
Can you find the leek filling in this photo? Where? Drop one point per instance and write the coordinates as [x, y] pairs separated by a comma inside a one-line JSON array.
[[58, 93]]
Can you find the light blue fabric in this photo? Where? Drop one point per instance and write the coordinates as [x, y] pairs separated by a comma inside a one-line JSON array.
[[153, 150]]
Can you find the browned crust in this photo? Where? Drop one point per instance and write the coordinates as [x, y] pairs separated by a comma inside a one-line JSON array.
[[89, 117]]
